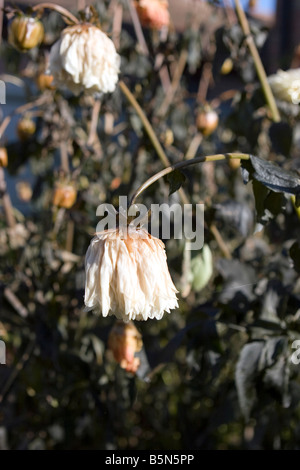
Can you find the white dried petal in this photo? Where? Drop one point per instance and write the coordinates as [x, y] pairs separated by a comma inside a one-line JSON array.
[[84, 59], [286, 85], [128, 277]]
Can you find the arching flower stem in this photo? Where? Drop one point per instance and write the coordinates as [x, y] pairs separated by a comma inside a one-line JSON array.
[[52, 6], [184, 164]]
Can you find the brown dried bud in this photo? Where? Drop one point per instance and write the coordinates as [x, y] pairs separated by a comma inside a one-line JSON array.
[[25, 128], [154, 14], [25, 32], [227, 66], [207, 122], [24, 191], [64, 195], [124, 341], [3, 157], [234, 163], [44, 82]]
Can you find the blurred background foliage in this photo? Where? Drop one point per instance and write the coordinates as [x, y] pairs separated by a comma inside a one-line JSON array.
[[217, 372]]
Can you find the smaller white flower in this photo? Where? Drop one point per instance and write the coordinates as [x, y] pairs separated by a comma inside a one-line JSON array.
[[286, 85], [84, 59]]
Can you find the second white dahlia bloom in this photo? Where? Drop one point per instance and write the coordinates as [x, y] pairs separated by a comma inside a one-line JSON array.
[[286, 85], [84, 59], [128, 276]]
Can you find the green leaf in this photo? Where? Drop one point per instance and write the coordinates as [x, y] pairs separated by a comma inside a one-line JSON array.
[[175, 180], [270, 175], [202, 268], [268, 204], [246, 373]]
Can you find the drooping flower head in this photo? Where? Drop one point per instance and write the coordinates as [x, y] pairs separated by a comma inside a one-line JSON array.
[[127, 276], [286, 85], [124, 341], [84, 59], [153, 13]]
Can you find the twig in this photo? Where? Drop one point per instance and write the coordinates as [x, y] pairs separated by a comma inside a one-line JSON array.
[[17, 369], [204, 82], [15, 302], [7, 78], [151, 134], [52, 6], [7, 205], [163, 72], [70, 235], [59, 217], [64, 157], [257, 62], [231, 17], [175, 83], [94, 122], [208, 172], [193, 147], [146, 123], [220, 241], [137, 28], [22, 109], [117, 24], [1, 18]]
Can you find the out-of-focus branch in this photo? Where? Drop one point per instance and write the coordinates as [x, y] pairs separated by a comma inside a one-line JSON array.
[[175, 83], [17, 369], [257, 62], [7, 205], [94, 122], [137, 28], [22, 109]]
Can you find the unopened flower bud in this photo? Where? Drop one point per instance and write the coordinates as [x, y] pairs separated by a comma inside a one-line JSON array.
[[3, 157], [153, 13], [64, 196], [124, 341], [25, 32], [227, 66], [25, 128], [44, 82], [207, 121], [234, 163], [24, 191]]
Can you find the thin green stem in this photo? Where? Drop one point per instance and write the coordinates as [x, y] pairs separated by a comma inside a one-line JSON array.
[[257, 62], [151, 134], [155, 142], [184, 164], [157, 146]]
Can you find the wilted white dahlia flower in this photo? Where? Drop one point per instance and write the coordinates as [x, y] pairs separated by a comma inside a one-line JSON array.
[[84, 59], [286, 85], [128, 276]]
